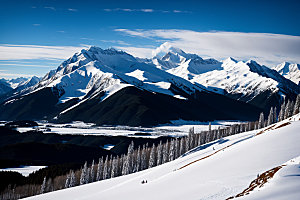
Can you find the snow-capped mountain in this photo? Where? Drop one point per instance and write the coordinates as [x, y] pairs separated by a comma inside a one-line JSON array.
[[8, 85], [21, 83], [289, 71], [100, 78], [4, 86], [185, 65], [245, 81], [16, 86], [94, 70], [250, 82], [14, 83], [27, 83], [113, 87]]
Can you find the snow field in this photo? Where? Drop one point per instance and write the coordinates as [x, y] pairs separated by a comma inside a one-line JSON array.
[[177, 128], [219, 176]]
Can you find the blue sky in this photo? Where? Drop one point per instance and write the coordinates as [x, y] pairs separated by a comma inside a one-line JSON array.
[[37, 35]]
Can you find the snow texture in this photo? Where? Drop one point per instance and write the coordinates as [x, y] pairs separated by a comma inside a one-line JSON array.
[[289, 71], [217, 170], [94, 72], [176, 128]]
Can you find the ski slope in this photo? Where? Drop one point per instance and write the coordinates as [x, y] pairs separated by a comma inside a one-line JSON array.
[[217, 170]]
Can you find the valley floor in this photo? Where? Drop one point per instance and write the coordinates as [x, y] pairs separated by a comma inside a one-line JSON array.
[[217, 170], [176, 128], [24, 170]]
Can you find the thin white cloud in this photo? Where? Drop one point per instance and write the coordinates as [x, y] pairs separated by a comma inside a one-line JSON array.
[[127, 10], [181, 11], [24, 65], [120, 42], [13, 75], [265, 48], [21, 61], [85, 38], [21, 52], [145, 10], [50, 8], [137, 32], [72, 9], [119, 9], [36, 24], [137, 51]]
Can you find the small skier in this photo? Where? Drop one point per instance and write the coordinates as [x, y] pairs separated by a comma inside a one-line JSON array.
[[144, 181]]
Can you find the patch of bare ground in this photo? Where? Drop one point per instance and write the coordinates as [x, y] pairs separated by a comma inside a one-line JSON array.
[[282, 125], [258, 182], [270, 128], [204, 157]]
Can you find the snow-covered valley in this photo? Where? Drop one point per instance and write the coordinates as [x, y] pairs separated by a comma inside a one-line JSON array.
[[217, 170], [174, 129], [24, 170]]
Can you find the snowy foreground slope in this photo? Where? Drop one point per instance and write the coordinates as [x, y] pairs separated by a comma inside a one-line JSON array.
[[284, 185], [218, 170]]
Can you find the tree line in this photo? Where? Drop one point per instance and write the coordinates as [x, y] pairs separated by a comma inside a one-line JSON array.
[[145, 156]]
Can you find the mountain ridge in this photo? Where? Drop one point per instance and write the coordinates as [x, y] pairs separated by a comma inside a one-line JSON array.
[[101, 75], [289, 71]]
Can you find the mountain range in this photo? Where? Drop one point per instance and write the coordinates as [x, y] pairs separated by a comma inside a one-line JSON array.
[[17, 84], [289, 71], [115, 88]]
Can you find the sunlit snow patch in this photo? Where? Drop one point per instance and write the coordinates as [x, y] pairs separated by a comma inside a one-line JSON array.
[[180, 97], [108, 146], [113, 89], [161, 87], [137, 74]]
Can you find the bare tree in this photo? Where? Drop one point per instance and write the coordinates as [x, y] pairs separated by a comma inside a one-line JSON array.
[[43, 186]]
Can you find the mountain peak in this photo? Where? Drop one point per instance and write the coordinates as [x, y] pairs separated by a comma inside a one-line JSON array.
[[252, 62], [98, 50], [230, 59], [285, 63], [289, 71]]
